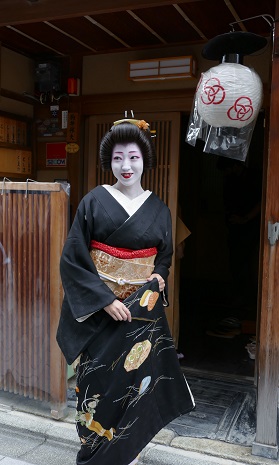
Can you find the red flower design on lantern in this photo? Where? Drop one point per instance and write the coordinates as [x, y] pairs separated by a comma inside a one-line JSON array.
[[213, 92], [242, 109]]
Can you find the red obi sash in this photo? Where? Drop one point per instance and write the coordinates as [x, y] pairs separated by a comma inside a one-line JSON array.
[[119, 252]]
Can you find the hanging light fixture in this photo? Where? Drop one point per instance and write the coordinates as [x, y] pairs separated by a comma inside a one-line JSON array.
[[228, 96], [159, 69]]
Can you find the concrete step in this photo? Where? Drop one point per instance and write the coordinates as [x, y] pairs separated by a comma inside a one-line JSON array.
[[39, 440]]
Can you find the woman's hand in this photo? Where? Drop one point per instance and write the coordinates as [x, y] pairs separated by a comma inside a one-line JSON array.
[[160, 280], [118, 311]]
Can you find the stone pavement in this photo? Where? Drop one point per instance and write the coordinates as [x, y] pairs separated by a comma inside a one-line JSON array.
[[35, 438], [11, 461]]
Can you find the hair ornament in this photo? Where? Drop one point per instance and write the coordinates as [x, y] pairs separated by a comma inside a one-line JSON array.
[[140, 123]]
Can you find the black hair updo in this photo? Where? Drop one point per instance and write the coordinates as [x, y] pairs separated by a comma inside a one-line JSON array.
[[125, 133]]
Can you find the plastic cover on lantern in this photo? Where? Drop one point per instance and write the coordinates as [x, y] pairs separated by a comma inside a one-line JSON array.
[[229, 142], [233, 137]]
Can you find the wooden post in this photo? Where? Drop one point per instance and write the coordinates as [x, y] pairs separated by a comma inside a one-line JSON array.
[[266, 442], [58, 378], [75, 160]]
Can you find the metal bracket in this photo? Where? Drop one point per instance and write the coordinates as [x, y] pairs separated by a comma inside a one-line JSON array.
[[273, 232]]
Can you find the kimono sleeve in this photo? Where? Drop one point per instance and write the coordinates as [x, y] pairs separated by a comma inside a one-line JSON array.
[[165, 245], [84, 290]]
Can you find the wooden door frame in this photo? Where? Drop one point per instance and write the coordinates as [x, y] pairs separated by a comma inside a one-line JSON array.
[[268, 312], [91, 175], [140, 102], [266, 442]]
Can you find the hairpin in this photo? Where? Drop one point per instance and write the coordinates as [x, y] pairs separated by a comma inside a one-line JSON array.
[[140, 123]]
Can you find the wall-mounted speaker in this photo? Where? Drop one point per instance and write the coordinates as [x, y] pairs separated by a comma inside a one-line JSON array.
[[47, 77]]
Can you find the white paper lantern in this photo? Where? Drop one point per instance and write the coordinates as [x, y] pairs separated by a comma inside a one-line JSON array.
[[229, 95]]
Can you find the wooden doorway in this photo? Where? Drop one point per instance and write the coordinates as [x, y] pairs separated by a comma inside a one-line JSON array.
[[215, 254], [163, 180]]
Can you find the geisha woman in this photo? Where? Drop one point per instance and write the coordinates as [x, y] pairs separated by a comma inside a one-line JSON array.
[[114, 269]]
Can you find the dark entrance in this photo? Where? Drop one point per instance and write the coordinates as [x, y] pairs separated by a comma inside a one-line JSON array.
[[219, 270]]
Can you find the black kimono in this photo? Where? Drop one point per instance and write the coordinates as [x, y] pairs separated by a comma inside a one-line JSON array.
[[129, 382]]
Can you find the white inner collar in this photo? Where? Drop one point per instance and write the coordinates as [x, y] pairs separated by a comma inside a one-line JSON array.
[[130, 205]]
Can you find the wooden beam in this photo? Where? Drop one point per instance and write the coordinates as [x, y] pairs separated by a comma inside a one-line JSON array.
[[139, 102], [18, 97], [24, 11]]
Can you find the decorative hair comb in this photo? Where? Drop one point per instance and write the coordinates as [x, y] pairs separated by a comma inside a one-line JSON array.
[[140, 123]]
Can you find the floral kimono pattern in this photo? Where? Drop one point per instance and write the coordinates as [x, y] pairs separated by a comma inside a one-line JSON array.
[[131, 386]]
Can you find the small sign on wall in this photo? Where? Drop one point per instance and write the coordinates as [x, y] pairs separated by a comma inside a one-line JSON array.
[[73, 127], [15, 161], [56, 155]]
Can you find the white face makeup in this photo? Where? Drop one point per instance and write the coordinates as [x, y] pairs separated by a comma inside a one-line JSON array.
[[127, 165]]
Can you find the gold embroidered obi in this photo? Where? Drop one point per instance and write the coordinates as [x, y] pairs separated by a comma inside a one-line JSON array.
[[123, 270]]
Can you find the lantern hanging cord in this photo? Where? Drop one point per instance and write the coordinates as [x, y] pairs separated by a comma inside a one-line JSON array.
[[270, 21], [267, 17]]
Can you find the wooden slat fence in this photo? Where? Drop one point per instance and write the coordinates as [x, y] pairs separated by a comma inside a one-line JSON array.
[[33, 228]]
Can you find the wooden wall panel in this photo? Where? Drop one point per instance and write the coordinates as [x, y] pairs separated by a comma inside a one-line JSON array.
[[33, 228]]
